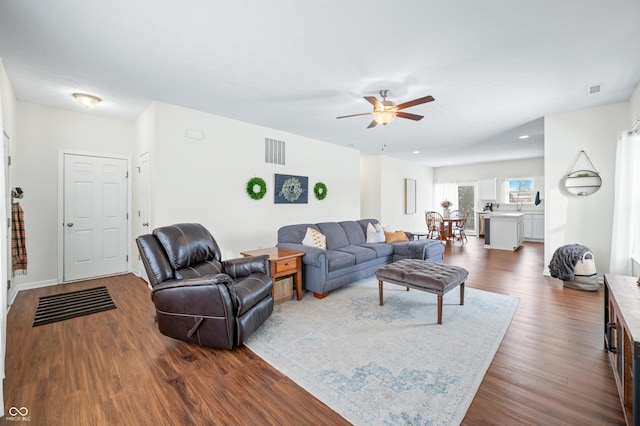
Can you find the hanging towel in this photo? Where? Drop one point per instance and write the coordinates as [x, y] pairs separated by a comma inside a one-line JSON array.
[[537, 198], [18, 241]]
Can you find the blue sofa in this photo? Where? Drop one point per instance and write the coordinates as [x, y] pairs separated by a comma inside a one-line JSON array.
[[349, 257]]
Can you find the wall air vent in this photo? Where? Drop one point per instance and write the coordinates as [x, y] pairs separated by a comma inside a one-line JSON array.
[[274, 151]]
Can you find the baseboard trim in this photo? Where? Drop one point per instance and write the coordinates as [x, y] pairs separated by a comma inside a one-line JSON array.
[[13, 291]]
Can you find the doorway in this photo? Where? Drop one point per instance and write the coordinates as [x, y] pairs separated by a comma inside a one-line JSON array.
[[143, 212], [95, 216], [466, 203]]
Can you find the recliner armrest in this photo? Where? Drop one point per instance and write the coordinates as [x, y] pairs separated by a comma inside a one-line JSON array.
[[245, 266]]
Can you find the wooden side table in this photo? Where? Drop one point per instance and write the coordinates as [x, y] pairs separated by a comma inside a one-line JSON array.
[[282, 262]]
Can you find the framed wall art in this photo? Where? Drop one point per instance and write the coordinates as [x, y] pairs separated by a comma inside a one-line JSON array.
[[291, 189]]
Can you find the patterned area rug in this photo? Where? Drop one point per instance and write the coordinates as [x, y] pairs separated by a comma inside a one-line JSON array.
[[391, 364]]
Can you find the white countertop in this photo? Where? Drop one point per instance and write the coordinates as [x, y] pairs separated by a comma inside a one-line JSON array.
[[506, 215], [489, 214]]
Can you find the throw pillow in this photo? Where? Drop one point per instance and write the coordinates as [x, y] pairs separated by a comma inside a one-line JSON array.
[[315, 238], [391, 237], [375, 233]]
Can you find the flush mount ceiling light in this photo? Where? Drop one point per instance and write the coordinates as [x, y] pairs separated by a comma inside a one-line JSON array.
[[87, 100], [523, 137], [385, 117]]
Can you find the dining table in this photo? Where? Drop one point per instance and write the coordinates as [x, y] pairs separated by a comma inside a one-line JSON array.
[[446, 228]]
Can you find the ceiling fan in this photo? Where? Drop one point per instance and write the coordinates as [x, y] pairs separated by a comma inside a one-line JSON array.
[[384, 112]]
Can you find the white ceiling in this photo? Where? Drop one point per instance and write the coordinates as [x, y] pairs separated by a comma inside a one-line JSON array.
[[495, 67]]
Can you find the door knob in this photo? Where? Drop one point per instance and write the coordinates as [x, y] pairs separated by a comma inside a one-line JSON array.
[[145, 224], [69, 224]]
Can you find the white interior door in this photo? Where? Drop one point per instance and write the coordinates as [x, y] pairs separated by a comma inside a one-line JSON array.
[[95, 216], [143, 213]]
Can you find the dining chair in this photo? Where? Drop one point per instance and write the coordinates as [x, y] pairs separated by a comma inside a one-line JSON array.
[[434, 224], [459, 227]]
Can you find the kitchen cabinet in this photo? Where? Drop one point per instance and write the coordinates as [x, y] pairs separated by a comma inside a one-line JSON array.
[[538, 227], [533, 225], [488, 189], [507, 231]]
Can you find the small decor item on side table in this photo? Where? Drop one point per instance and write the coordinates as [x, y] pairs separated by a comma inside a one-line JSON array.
[[256, 188], [445, 208]]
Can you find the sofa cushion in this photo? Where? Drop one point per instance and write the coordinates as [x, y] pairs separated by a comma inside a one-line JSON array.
[[339, 259], [419, 249], [353, 231], [381, 249], [336, 237], [315, 238], [365, 222], [362, 254]]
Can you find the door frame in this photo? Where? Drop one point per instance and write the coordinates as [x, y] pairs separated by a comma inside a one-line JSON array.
[[142, 272], [60, 222]]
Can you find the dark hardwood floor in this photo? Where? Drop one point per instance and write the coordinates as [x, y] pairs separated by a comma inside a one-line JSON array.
[[114, 367]]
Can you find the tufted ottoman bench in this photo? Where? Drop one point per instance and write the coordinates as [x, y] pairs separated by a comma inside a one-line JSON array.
[[423, 275]]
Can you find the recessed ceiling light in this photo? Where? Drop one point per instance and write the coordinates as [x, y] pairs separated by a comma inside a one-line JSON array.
[[416, 152], [523, 137], [87, 100]]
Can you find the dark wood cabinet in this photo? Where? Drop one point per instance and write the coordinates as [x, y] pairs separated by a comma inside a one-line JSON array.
[[621, 334]]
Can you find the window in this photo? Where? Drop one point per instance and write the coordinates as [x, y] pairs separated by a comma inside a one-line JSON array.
[[521, 191]]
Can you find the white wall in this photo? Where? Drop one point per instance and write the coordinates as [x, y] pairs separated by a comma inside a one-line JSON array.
[[502, 169], [204, 180], [586, 220], [370, 184], [7, 124], [383, 194], [42, 133]]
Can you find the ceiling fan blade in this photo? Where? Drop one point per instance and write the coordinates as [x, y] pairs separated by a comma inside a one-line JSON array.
[[415, 102], [372, 124], [356, 115], [415, 117], [374, 101]]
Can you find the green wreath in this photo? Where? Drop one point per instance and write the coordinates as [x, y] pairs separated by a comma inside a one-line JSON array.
[[320, 190], [251, 188]]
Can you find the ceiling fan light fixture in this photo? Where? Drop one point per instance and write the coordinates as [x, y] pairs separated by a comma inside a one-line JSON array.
[[87, 100], [385, 117]]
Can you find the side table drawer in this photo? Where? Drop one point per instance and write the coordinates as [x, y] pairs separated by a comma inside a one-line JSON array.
[[285, 265]]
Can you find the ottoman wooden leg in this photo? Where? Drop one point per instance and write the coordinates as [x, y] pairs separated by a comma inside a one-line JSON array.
[[380, 291], [462, 294], [439, 309]]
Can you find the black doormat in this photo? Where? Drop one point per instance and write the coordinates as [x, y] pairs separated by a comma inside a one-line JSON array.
[[65, 306]]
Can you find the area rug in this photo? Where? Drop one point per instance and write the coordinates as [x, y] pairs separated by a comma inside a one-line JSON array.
[[391, 364], [59, 307]]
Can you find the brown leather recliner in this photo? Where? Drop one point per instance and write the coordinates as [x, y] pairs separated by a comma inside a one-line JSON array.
[[198, 297]]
